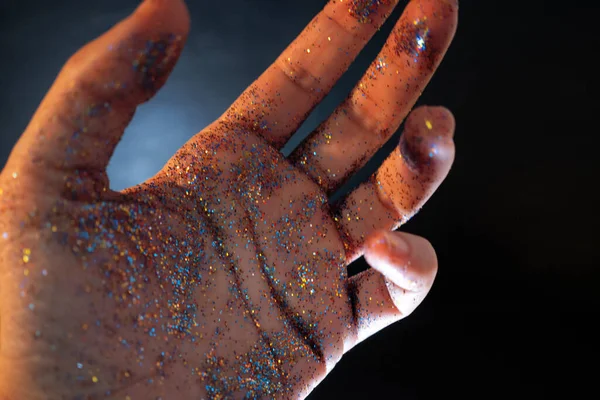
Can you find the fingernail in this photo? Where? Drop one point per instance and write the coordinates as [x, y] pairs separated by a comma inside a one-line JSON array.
[[389, 244], [397, 245]]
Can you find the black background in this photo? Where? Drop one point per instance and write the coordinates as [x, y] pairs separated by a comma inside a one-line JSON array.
[[513, 311]]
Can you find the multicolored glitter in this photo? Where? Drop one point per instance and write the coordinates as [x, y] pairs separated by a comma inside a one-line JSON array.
[[224, 275], [413, 38], [364, 10]]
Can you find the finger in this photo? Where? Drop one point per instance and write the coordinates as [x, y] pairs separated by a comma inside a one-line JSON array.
[[403, 183], [83, 116], [403, 270], [376, 107], [279, 101]]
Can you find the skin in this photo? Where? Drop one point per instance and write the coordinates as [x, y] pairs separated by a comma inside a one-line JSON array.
[[223, 276]]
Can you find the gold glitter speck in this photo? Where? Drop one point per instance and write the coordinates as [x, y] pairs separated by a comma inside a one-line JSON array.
[[26, 254], [428, 124]]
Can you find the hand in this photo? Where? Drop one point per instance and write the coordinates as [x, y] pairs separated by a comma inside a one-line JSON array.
[[223, 276]]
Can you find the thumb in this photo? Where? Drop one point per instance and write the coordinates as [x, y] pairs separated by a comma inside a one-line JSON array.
[[84, 114]]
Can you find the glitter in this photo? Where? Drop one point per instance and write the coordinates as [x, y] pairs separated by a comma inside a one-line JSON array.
[[428, 124], [213, 255], [154, 60], [14, 175], [363, 10], [31, 306], [380, 65], [412, 38], [26, 254]]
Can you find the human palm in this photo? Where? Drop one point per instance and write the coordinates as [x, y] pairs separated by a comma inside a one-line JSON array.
[[223, 276]]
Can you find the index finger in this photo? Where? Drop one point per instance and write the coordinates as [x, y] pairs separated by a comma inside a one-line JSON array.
[[308, 68]]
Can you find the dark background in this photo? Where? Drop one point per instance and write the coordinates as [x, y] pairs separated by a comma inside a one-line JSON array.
[[513, 311]]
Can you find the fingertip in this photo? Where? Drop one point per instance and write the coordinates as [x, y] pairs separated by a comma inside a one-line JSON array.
[[172, 14], [407, 260], [403, 269], [426, 144], [442, 117]]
